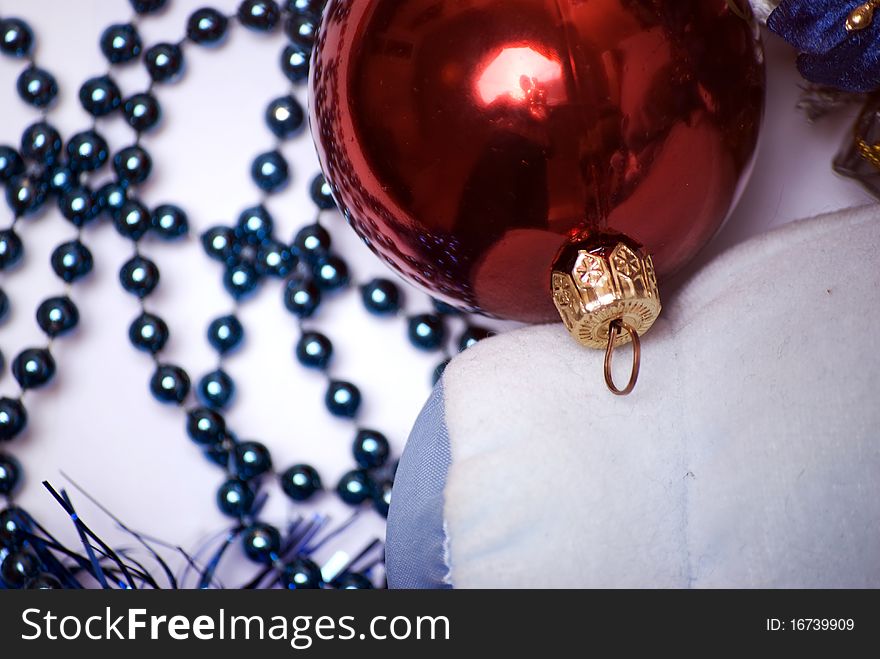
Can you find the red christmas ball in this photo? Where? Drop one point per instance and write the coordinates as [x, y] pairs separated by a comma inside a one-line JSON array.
[[468, 141]]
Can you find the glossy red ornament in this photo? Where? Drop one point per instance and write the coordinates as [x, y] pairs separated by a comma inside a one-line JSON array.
[[468, 140]]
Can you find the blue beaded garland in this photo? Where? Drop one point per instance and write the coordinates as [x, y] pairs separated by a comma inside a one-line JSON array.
[[285, 117], [261, 542], [147, 6], [206, 26], [352, 581], [87, 151], [33, 368], [10, 474], [427, 331], [343, 399], [300, 482], [18, 568], [11, 249], [321, 193], [121, 43], [164, 62], [13, 418], [241, 280], [111, 198], [11, 163], [295, 63], [381, 297], [259, 15], [72, 261], [133, 220], [330, 273], [302, 298], [60, 179], [311, 243], [78, 205], [314, 350], [205, 426], [225, 334], [235, 498], [26, 194], [37, 87], [57, 316], [133, 165], [148, 333], [355, 487], [274, 259], [254, 225], [381, 496], [169, 222], [100, 96], [221, 244], [142, 111], [16, 37], [251, 460], [216, 389], [139, 276], [302, 28], [41, 143], [270, 171], [4, 305], [371, 449], [301, 574], [170, 384]]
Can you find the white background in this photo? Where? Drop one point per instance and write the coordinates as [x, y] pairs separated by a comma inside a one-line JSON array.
[[98, 422]]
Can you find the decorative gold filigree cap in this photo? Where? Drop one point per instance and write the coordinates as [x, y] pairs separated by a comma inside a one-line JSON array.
[[601, 279]]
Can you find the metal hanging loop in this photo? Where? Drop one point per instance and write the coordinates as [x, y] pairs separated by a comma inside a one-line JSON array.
[[614, 330]]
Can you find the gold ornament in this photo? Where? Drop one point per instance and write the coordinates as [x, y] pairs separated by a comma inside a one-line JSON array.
[[862, 16], [605, 289]]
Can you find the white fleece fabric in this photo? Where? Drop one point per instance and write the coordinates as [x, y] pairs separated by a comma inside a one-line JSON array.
[[748, 456]]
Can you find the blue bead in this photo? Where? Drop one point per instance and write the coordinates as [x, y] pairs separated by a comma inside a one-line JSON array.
[[11, 163], [301, 574], [311, 243], [133, 165], [274, 259], [121, 43], [149, 333], [206, 26], [33, 368], [342, 399], [321, 193], [37, 87], [352, 581], [270, 171], [302, 28], [295, 63], [169, 222], [371, 449], [25, 194], [439, 371], [355, 487], [164, 62], [302, 298], [147, 6], [4, 305], [18, 568], [235, 498], [79, 205], [254, 225], [261, 542], [473, 335], [241, 280], [300, 482], [285, 117], [100, 96], [72, 261], [111, 198], [221, 244], [45, 581], [427, 331], [11, 249], [381, 297], [60, 179], [314, 350], [169, 384], [205, 426], [10, 474], [260, 15], [16, 37], [57, 316], [142, 111], [139, 276], [330, 273], [444, 309], [313, 7], [216, 389], [14, 524], [225, 334], [13, 419], [87, 151], [251, 460], [382, 497], [41, 143], [133, 220]]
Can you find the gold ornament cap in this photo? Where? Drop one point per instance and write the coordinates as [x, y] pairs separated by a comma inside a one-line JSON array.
[[602, 284]]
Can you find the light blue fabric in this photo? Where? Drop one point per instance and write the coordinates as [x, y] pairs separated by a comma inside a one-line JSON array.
[[416, 538]]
